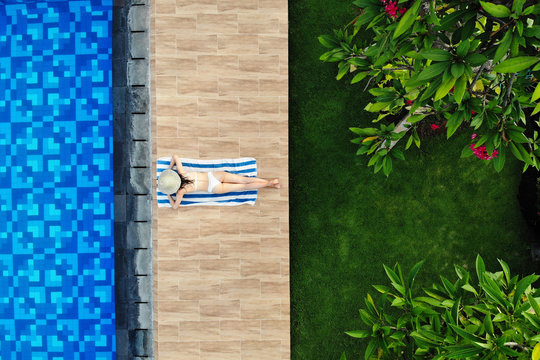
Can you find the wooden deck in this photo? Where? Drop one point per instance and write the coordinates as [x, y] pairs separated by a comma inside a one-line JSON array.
[[220, 90]]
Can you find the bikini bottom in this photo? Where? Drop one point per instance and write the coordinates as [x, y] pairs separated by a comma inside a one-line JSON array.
[[212, 182]]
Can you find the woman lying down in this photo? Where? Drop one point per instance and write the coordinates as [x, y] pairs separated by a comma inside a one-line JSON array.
[[218, 182]]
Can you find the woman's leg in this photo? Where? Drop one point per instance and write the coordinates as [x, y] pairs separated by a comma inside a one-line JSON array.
[[229, 187], [227, 177]]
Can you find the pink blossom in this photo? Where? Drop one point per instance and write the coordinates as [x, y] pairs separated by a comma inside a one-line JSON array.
[[391, 8], [434, 127], [473, 136], [481, 152]]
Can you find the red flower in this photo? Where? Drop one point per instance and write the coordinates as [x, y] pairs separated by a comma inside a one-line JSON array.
[[409, 102], [402, 11], [472, 112], [481, 152], [434, 127]]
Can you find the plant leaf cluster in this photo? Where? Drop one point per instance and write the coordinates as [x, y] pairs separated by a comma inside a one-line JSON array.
[[495, 316], [462, 62]]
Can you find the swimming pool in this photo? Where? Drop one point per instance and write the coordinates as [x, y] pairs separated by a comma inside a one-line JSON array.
[[56, 180]]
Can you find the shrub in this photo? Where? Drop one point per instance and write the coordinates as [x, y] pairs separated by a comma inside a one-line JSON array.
[[495, 318], [465, 62]]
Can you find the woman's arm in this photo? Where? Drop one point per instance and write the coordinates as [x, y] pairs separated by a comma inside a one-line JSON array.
[[179, 196], [176, 160]]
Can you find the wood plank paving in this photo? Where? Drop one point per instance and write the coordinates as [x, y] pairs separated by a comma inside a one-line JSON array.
[[220, 90]]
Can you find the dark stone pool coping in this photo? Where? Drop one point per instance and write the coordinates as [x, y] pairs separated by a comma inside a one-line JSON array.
[[132, 180]]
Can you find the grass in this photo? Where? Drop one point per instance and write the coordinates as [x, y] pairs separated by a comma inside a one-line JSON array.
[[347, 222]]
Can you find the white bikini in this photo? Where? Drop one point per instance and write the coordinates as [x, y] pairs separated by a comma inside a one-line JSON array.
[[212, 180]]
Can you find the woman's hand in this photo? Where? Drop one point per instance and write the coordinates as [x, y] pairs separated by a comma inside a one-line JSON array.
[[178, 163], [179, 196], [175, 160]]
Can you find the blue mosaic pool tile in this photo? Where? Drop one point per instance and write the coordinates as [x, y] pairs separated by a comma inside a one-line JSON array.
[[56, 180]]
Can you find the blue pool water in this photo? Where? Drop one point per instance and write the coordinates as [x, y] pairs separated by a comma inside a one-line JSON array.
[[56, 180]]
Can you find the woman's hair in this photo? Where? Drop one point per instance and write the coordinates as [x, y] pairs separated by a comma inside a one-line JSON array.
[[185, 181]]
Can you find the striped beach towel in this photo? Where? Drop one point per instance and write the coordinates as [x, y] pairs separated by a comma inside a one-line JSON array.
[[240, 166]]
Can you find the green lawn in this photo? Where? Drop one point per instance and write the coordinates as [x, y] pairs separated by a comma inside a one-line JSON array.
[[346, 222]]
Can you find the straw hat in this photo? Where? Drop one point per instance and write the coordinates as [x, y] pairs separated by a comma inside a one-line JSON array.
[[169, 182]]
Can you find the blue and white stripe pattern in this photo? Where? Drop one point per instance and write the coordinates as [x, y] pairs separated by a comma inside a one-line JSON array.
[[240, 166]]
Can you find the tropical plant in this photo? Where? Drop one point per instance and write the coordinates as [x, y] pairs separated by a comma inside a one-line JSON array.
[[461, 62], [496, 317]]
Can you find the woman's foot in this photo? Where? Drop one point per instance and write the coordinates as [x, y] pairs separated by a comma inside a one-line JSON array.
[[275, 184]]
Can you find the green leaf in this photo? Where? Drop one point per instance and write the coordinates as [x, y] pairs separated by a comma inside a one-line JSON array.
[[398, 154], [529, 10], [366, 318], [536, 109], [444, 89], [343, 357], [503, 47], [365, 131], [431, 89], [476, 59], [453, 124], [370, 349], [469, 288], [387, 165], [519, 27], [516, 64], [366, 17], [433, 70], [459, 89], [457, 70], [360, 334], [436, 54], [465, 334], [408, 19], [498, 162], [462, 351], [468, 29], [480, 268], [360, 63], [517, 6], [488, 325], [359, 77], [466, 152], [536, 93], [381, 288], [428, 300], [499, 11], [533, 319], [363, 3], [409, 142], [463, 48], [534, 305], [449, 287], [515, 151], [328, 41], [414, 271], [416, 139], [493, 291], [377, 91], [392, 275], [522, 285], [343, 69], [517, 136], [415, 118]]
